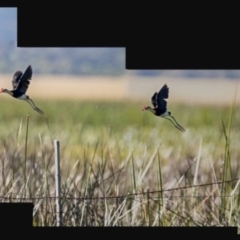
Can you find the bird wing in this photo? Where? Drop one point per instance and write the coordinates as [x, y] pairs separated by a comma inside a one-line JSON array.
[[154, 99], [25, 80], [16, 77], [162, 94]]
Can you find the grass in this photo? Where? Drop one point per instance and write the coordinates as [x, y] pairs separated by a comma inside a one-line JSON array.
[[116, 160]]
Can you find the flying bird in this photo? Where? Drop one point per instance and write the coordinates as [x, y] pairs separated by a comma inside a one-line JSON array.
[[160, 106], [20, 83]]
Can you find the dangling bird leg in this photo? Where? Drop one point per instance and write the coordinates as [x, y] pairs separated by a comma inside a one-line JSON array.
[[177, 123], [176, 126], [30, 101], [35, 107]]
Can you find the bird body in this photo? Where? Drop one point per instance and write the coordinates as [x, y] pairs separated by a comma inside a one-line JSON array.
[[20, 83], [160, 106]]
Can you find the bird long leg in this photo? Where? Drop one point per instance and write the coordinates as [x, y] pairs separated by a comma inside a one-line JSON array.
[[35, 107], [175, 125], [177, 122], [30, 101]]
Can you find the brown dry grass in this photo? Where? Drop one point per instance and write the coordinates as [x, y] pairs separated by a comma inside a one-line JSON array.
[[194, 91]]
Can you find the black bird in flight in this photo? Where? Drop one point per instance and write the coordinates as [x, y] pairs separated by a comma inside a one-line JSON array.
[[160, 106], [20, 83]]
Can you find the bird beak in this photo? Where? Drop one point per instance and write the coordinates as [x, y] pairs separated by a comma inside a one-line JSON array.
[[2, 89], [144, 108]]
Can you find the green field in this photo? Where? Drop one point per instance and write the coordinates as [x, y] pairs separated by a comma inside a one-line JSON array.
[[109, 150]]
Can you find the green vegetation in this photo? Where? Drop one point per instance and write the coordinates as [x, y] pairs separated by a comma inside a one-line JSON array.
[[113, 149]]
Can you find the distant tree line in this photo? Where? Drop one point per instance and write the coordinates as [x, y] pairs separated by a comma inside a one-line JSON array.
[[75, 61], [87, 61]]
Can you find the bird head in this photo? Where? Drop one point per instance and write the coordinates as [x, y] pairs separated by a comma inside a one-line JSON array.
[[145, 108], [2, 90]]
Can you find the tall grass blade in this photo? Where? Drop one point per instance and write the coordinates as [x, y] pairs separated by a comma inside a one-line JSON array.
[[160, 193], [25, 153], [227, 168]]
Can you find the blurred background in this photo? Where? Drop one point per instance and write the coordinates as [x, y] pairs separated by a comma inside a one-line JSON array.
[[100, 73], [112, 148]]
